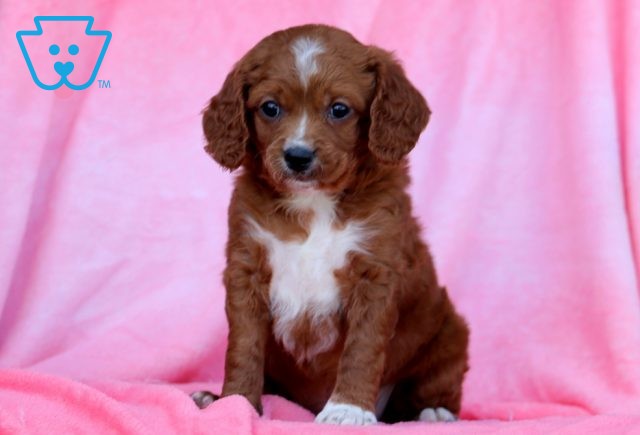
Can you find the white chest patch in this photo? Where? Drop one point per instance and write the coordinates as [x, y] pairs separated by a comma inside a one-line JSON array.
[[305, 51], [303, 281]]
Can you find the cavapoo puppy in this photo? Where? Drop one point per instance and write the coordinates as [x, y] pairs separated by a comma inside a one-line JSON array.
[[331, 296]]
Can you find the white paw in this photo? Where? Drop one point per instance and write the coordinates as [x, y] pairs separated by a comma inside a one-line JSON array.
[[204, 398], [344, 413], [435, 415]]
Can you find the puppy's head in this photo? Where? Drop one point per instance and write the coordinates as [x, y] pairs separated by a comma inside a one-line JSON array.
[[306, 105]]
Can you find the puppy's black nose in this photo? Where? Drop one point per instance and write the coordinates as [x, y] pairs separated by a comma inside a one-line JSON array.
[[298, 159]]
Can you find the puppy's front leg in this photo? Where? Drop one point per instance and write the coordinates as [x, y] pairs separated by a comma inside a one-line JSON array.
[[248, 316], [371, 318]]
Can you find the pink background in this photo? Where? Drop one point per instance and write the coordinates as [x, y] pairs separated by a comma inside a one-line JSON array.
[[527, 182]]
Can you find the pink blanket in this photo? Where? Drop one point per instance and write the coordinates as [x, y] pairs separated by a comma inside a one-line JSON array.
[[527, 182]]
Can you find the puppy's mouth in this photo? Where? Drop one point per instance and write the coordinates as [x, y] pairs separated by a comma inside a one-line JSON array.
[[298, 186], [310, 174], [301, 180]]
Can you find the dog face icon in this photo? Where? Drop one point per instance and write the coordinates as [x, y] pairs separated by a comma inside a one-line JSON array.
[[63, 50]]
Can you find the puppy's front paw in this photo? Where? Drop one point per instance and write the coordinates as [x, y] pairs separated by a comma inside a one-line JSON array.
[[434, 415], [345, 413], [204, 398]]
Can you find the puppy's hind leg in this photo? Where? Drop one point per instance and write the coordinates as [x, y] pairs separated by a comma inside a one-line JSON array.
[[433, 391]]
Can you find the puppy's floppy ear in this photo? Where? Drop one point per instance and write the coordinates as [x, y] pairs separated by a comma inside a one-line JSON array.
[[398, 111], [224, 122]]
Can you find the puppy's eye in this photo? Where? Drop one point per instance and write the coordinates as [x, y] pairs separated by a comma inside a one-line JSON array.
[[339, 111], [270, 109]]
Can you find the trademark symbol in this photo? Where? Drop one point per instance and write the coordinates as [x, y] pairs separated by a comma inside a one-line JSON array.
[[102, 84]]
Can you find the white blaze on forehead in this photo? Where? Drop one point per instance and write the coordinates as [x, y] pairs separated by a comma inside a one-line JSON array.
[[305, 50]]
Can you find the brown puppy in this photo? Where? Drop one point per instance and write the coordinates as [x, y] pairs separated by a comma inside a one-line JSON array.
[[332, 298]]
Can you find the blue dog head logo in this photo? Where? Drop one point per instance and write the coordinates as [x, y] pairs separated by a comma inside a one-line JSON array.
[[63, 50]]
